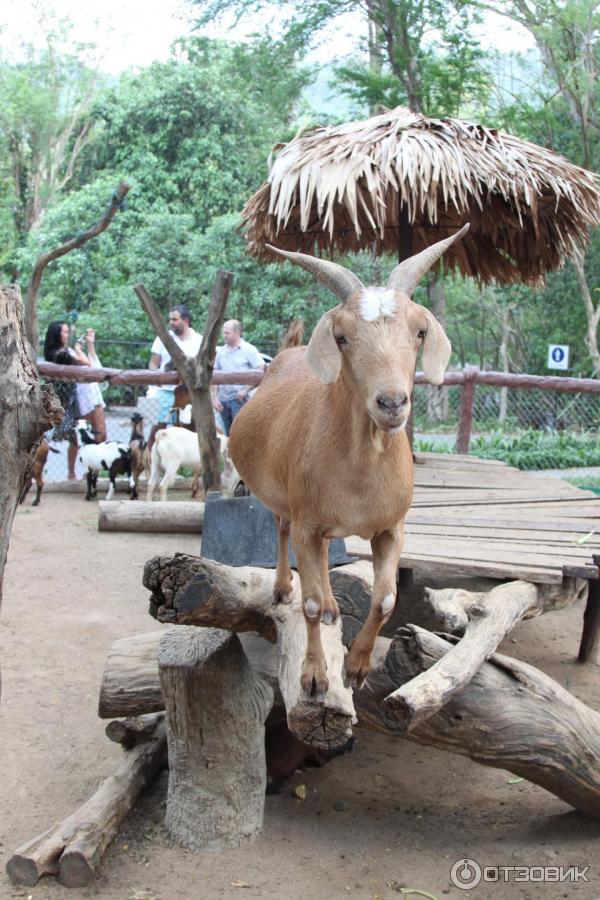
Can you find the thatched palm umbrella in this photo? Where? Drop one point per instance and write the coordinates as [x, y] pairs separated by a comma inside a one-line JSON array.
[[401, 181]]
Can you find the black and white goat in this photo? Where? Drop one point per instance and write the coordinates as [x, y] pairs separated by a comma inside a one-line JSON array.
[[113, 456]]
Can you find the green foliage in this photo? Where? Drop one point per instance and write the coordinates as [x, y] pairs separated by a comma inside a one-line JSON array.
[[531, 449]]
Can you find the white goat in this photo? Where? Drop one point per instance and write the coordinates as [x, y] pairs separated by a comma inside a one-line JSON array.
[[113, 456], [323, 442], [174, 447]]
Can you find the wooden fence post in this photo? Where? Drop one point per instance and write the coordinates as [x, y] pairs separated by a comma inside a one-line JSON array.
[[463, 435]]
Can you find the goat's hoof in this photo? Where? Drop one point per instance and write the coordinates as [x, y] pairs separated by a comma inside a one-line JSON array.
[[331, 611], [282, 595], [356, 669], [313, 680]]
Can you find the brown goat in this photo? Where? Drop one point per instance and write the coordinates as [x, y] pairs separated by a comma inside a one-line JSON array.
[[37, 471], [140, 454], [323, 442]]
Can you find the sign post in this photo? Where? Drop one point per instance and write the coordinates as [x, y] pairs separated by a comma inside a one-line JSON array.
[[558, 356]]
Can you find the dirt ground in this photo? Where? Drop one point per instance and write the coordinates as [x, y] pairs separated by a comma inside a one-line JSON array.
[[385, 821]]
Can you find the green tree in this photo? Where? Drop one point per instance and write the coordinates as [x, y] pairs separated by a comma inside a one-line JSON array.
[[567, 104], [45, 100]]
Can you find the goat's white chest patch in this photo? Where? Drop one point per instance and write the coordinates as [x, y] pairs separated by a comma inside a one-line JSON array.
[[377, 302]]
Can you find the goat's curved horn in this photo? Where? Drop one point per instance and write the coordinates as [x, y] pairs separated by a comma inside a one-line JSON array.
[[409, 272], [341, 281]]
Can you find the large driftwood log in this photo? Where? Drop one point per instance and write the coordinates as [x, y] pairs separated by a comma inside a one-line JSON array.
[[169, 516], [189, 590], [216, 708], [489, 618], [27, 410], [511, 716], [73, 848]]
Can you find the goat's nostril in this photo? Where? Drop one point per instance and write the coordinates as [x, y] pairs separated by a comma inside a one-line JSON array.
[[392, 405]]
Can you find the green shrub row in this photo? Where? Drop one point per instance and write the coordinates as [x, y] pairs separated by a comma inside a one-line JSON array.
[[532, 449]]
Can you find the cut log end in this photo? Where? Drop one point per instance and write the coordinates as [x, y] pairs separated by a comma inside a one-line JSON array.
[[74, 869], [22, 870], [320, 727]]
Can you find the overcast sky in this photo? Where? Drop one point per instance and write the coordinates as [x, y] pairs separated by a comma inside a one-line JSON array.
[[135, 32]]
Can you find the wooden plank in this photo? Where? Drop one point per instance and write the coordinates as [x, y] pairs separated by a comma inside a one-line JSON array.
[[447, 516], [508, 533], [459, 459], [449, 548], [538, 574]]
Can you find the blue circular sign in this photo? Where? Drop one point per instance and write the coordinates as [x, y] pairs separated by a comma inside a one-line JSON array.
[[558, 354]]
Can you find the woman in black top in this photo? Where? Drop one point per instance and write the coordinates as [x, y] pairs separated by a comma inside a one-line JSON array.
[[57, 350]]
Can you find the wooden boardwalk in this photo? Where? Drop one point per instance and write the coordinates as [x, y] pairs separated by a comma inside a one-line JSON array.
[[481, 517]]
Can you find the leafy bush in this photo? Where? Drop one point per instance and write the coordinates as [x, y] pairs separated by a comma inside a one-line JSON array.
[[531, 449]]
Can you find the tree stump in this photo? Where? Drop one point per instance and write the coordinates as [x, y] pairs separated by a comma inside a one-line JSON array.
[[216, 708]]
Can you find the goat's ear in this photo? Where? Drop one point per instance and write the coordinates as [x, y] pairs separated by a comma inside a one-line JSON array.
[[436, 351], [322, 354]]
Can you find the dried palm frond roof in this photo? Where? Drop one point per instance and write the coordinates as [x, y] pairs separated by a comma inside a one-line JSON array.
[[351, 186]]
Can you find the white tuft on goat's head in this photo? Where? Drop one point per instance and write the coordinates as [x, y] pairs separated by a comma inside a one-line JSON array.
[[373, 336]]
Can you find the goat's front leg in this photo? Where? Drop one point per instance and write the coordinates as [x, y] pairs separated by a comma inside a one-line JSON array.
[[307, 547], [386, 548], [282, 586]]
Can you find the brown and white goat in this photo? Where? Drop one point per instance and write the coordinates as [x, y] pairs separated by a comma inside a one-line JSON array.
[[37, 471], [140, 454], [323, 442]]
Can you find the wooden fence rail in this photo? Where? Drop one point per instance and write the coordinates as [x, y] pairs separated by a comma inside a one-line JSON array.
[[469, 377]]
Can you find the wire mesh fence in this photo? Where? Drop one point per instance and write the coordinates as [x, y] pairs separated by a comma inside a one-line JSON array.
[[526, 427]]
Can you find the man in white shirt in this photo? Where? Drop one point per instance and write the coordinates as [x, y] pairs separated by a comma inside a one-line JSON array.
[[180, 320], [236, 356]]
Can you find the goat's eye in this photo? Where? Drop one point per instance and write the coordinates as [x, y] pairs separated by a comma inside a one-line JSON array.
[[421, 334], [341, 341]]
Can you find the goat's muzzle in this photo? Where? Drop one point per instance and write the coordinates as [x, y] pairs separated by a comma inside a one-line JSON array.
[[392, 410]]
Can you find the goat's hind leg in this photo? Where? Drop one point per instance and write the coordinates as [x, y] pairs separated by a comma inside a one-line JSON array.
[[330, 608], [387, 548], [307, 547], [282, 586]]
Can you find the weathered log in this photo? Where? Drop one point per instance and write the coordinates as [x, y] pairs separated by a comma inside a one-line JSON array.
[[451, 605], [216, 708], [489, 618], [510, 716], [189, 590], [132, 731], [130, 684], [73, 848], [169, 516]]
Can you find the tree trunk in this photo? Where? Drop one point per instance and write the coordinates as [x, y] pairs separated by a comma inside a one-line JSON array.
[[216, 708], [196, 374], [27, 410], [592, 313]]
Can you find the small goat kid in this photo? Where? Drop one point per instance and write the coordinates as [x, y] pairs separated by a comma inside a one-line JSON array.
[[37, 471], [140, 456], [323, 442], [113, 456], [174, 447]]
